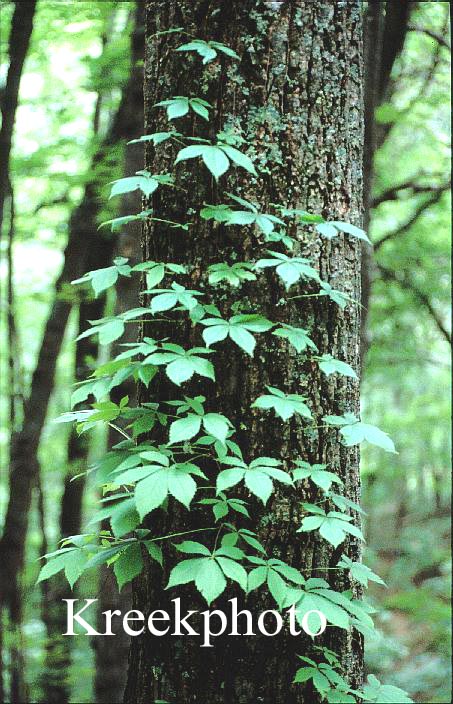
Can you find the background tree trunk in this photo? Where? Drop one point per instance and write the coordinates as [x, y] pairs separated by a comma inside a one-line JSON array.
[[19, 41], [386, 26], [111, 657], [297, 96]]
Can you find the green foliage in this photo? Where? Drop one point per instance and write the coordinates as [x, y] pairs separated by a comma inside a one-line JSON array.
[[325, 677], [332, 229], [234, 275], [209, 572], [179, 106], [289, 269], [329, 365], [217, 157], [143, 181], [181, 364], [284, 405], [257, 476], [238, 328], [354, 432], [360, 572], [316, 473], [374, 691], [333, 526], [252, 215], [207, 50], [298, 337]]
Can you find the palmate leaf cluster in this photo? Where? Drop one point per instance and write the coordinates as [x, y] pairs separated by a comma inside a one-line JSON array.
[[139, 478]]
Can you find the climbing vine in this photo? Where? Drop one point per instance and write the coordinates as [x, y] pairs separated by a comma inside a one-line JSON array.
[[138, 476]]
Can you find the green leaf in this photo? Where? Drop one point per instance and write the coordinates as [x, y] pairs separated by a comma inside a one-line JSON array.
[[176, 107], [289, 269], [225, 50], [102, 279], [204, 49], [192, 548], [110, 331], [156, 138], [128, 565], [155, 275], [259, 484], [184, 572], [243, 338], [327, 230], [185, 428], [150, 493], [351, 230], [216, 425], [332, 526], [338, 297], [210, 580], [334, 614], [233, 570], [215, 160], [298, 337], [256, 578], [240, 159], [189, 152], [181, 486], [360, 572], [316, 473], [355, 432], [233, 275], [52, 567], [284, 405], [124, 518], [154, 551], [329, 365], [374, 691]]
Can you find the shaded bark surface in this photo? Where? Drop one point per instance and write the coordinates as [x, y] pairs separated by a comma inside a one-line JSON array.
[[386, 26], [297, 96]]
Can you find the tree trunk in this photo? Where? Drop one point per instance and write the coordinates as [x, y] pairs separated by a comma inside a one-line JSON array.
[[385, 32], [18, 45], [111, 657], [19, 41], [297, 96]]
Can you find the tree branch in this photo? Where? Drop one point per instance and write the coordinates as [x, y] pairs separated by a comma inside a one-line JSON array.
[[416, 188], [404, 282], [430, 33], [432, 200]]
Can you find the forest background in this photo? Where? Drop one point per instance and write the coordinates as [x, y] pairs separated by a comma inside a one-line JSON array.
[[78, 104]]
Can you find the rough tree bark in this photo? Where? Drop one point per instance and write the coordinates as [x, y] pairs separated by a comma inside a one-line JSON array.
[[297, 96]]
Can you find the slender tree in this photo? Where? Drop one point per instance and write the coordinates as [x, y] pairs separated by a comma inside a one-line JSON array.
[[19, 41], [18, 46], [296, 98]]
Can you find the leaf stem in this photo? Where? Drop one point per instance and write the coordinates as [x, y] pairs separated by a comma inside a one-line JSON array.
[[186, 532]]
